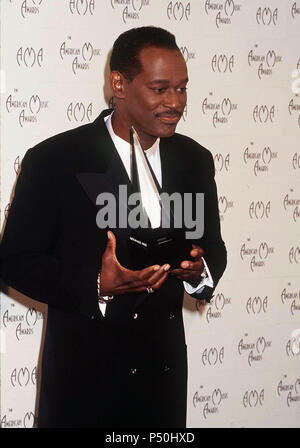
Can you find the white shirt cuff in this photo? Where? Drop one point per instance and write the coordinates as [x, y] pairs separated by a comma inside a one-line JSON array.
[[102, 307], [208, 281]]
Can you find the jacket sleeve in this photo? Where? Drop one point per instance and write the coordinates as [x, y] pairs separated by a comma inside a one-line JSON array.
[[28, 263], [215, 253]]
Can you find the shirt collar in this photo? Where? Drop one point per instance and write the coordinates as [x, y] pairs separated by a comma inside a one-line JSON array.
[[123, 145]]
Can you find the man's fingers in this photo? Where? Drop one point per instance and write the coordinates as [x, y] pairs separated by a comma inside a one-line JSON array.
[[146, 273], [183, 274], [162, 272], [149, 276], [111, 242], [191, 265], [156, 280], [159, 283], [196, 252], [111, 246], [153, 281]]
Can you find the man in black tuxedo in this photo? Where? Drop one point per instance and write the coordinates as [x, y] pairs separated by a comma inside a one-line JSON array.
[[114, 352]]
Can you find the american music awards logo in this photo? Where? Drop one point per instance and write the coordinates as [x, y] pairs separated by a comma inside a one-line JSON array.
[[290, 390], [292, 204], [29, 7], [130, 9], [24, 322], [28, 110], [260, 160], [210, 403], [23, 376], [256, 305], [81, 57], [223, 12], [220, 112], [82, 7], [222, 63], [267, 16], [256, 256], [212, 356], [263, 113], [79, 112], [179, 10], [254, 349], [259, 209], [214, 312], [253, 398], [30, 57], [265, 63], [27, 421], [290, 297]]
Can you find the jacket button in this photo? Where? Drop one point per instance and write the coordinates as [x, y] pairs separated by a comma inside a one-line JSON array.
[[92, 316], [171, 316], [133, 371], [135, 315], [166, 368]]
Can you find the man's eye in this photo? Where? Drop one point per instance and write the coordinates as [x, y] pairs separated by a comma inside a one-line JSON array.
[[159, 90]]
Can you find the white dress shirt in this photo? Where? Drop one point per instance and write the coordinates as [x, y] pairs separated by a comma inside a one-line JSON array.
[[153, 155]]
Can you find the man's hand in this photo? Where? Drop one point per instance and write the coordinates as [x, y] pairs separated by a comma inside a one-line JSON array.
[[116, 279], [190, 271]]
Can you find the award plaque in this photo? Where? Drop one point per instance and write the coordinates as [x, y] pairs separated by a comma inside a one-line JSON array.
[[150, 245]]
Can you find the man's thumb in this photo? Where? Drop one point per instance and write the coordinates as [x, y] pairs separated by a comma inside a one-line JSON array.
[[111, 243]]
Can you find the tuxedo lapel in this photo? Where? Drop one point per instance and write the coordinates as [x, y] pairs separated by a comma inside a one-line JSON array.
[[172, 171], [101, 169]]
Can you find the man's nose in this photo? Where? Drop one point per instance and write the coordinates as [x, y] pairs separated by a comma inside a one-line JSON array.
[[172, 99]]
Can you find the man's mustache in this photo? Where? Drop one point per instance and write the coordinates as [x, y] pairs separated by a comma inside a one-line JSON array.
[[170, 112]]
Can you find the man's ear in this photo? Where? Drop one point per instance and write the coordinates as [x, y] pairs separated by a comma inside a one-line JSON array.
[[117, 82]]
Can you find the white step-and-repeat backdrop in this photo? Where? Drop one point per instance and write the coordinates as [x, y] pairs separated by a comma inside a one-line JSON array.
[[243, 104]]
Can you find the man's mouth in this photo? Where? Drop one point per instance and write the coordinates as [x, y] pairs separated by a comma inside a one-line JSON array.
[[169, 118]]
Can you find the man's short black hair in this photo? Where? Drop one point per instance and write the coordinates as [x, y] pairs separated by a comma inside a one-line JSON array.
[[125, 52]]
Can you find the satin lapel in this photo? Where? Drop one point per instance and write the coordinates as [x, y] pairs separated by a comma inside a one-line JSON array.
[[171, 170], [101, 157]]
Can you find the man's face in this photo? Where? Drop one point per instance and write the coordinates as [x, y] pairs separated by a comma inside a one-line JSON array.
[[155, 99]]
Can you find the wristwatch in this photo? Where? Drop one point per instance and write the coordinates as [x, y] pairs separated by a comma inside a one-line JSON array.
[[102, 299]]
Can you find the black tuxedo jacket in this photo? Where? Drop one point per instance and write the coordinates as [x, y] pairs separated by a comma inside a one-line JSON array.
[[129, 368]]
